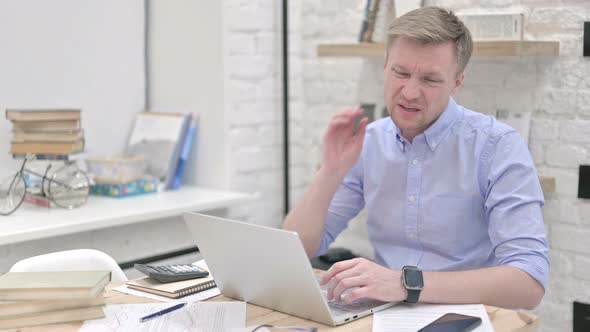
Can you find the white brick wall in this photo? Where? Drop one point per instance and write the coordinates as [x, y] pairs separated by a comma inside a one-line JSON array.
[[577, 131], [254, 117], [553, 88]]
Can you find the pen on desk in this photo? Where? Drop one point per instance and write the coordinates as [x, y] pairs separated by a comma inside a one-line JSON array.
[[162, 312]]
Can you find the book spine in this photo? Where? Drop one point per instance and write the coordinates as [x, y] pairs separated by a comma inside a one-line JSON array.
[[19, 136], [197, 288], [371, 22], [364, 23], [186, 149], [41, 156], [175, 156], [47, 147]]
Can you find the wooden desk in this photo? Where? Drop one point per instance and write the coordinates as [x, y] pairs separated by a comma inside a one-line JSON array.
[[503, 320]]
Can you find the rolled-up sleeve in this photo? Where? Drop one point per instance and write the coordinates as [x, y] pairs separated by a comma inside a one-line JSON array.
[[513, 208], [347, 202]]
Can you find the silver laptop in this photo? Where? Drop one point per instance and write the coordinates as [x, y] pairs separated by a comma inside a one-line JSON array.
[[268, 267]]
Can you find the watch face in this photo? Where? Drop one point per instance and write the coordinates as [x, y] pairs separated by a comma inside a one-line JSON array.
[[413, 279]]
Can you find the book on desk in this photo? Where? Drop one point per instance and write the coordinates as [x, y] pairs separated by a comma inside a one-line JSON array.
[[52, 285], [38, 298]]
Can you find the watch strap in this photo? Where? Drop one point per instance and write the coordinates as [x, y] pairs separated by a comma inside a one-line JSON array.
[[413, 292], [413, 296]]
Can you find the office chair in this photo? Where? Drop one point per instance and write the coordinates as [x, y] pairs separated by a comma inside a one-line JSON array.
[[72, 260]]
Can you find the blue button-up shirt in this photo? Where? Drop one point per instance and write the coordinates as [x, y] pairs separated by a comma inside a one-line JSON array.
[[463, 195]]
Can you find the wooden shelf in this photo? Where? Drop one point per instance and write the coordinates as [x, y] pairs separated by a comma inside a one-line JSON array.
[[32, 222], [352, 50], [481, 48]]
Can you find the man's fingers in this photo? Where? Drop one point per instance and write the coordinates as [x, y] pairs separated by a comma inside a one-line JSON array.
[[344, 118], [352, 272], [348, 113], [362, 128], [341, 123], [359, 293], [337, 268], [359, 136], [345, 284]]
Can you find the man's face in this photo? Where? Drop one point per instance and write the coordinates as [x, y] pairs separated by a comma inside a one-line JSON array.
[[418, 82]]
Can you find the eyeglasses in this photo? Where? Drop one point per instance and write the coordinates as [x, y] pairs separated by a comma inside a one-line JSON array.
[[67, 187]]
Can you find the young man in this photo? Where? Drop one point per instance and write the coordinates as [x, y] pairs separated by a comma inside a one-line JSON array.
[[453, 196]]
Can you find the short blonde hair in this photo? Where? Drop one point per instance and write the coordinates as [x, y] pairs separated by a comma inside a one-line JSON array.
[[433, 25]]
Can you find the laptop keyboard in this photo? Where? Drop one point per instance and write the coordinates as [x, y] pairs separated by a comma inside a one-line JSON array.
[[340, 308], [357, 306]]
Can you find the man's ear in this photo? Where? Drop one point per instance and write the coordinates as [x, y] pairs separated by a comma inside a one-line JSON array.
[[458, 82]]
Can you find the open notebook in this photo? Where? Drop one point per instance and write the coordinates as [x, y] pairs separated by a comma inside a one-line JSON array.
[[174, 290]]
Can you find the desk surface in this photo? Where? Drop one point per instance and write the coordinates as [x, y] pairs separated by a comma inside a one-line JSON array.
[[503, 320], [31, 222]]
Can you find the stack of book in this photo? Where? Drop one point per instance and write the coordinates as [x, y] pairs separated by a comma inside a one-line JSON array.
[[46, 131], [39, 298]]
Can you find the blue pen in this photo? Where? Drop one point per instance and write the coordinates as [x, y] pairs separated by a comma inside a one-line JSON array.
[[161, 312]]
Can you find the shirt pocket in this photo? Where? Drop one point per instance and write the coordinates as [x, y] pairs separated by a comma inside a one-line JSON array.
[[452, 225]]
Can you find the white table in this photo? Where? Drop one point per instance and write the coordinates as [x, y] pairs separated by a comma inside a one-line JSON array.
[[32, 222]]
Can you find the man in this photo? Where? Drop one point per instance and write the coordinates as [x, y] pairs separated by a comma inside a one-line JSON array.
[[450, 193]]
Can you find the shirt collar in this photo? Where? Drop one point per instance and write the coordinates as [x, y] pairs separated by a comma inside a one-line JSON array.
[[390, 127], [435, 133]]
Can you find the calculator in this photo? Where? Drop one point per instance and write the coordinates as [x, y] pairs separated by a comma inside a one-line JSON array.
[[171, 273]]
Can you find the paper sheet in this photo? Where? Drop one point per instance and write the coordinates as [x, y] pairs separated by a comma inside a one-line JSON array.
[[407, 318], [201, 296], [200, 316], [266, 329]]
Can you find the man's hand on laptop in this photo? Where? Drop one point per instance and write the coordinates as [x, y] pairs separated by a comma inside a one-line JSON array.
[[369, 280]]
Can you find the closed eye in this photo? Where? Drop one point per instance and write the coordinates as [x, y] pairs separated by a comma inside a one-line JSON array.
[[400, 74], [432, 80]]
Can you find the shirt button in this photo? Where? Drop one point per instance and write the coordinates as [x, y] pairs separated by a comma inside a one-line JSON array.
[[412, 199], [415, 162]]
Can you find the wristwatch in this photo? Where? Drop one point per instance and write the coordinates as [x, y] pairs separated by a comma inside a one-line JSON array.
[[413, 283]]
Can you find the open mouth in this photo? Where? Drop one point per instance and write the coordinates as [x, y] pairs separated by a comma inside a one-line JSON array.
[[408, 109]]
